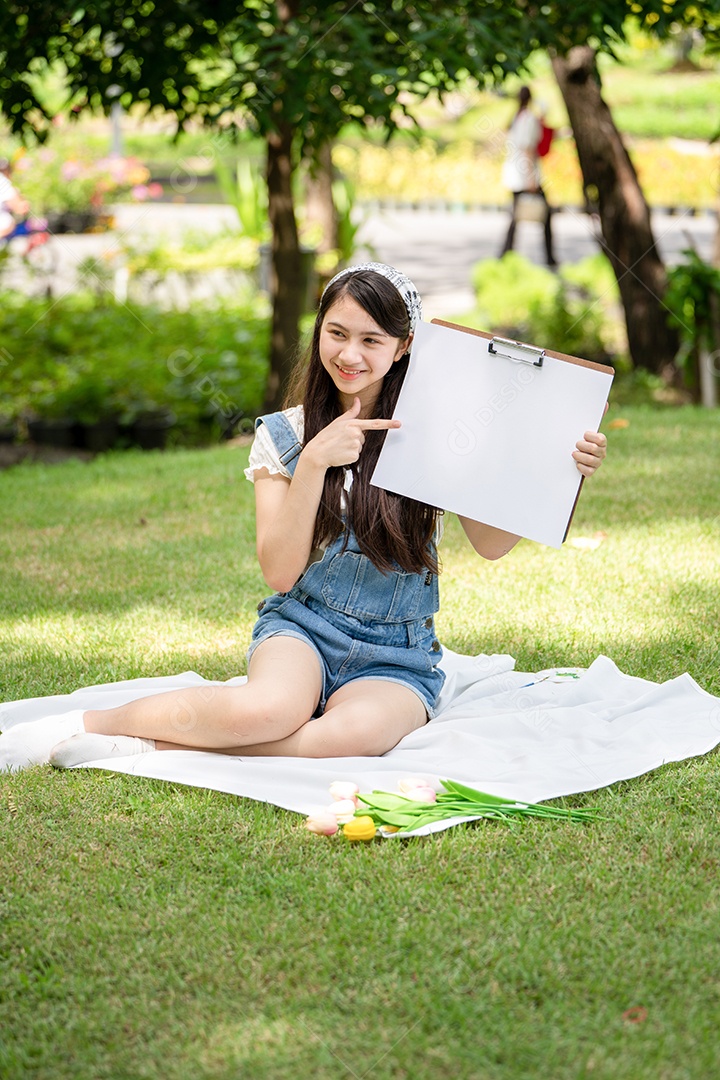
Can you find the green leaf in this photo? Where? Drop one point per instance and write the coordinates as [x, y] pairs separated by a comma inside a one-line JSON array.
[[422, 820], [472, 793], [384, 800], [398, 819]]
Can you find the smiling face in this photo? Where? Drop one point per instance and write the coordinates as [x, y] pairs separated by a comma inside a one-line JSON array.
[[356, 353]]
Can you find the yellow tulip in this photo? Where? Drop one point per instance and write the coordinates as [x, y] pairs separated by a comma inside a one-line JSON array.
[[360, 828]]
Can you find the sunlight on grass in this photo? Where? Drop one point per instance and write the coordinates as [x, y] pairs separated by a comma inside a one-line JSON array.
[[153, 560], [155, 930], [156, 631]]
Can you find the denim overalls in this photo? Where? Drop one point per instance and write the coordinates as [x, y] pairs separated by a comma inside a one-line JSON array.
[[361, 623]]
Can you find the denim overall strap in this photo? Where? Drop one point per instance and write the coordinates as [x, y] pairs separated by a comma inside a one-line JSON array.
[[284, 437], [347, 587]]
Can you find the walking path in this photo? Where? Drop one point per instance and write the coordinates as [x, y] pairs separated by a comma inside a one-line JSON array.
[[437, 248]]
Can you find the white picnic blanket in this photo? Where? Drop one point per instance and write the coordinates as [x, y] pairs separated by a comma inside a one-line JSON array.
[[525, 736]]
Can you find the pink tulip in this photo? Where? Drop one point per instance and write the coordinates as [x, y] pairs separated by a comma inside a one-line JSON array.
[[344, 789], [342, 809], [410, 783], [421, 794], [322, 823]]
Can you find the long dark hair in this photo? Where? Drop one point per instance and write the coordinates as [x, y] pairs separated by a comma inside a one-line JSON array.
[[393, 531]]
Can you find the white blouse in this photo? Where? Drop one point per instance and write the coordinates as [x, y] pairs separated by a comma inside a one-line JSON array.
[[520, 170], [263, 454]]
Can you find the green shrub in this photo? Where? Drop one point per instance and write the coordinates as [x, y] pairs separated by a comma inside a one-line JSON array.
[[87, 359], [595, 275], [638, 386], [195, 253], [571, 312], [506, 288], [693, 299]]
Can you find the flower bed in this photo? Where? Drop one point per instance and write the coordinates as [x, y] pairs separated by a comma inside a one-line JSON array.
[[468, 172], [73, 191]]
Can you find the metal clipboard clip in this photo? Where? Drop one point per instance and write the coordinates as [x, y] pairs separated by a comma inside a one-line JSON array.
[[516, 350]]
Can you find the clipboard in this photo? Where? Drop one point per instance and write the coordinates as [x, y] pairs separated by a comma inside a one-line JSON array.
[[488, 429]]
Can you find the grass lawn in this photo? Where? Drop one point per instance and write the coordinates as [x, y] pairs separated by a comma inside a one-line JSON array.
[[149, 930]]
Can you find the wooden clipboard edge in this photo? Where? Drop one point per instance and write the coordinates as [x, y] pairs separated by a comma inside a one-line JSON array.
[[572, 512], [605, 368]]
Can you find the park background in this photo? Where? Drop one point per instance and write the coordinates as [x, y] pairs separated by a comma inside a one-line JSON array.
[[152, 930]]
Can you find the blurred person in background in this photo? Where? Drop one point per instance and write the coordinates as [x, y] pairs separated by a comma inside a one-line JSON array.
[[12, 204], [521, 173], [15, 211]]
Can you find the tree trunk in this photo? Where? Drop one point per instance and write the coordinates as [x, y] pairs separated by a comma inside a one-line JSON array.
[[287, 284], [319, 203], [609, 179], [287, 291]]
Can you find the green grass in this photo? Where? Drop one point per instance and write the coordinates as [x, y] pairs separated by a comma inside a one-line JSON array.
[[648, 98], [148, 930]]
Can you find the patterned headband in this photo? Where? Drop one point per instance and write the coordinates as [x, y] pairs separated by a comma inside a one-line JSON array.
[[402, 283]]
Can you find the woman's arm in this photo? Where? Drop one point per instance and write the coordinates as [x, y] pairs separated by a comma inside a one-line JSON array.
[[493, 543], [285, 512], [286, 509], [488, 541]]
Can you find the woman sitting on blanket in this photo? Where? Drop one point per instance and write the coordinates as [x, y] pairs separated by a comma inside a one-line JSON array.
[[344, 657]]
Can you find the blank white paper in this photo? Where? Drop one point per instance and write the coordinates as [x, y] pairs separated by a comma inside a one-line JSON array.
[[489, 437]]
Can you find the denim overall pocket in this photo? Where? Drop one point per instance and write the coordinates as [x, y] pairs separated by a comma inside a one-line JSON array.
[[354, 586]]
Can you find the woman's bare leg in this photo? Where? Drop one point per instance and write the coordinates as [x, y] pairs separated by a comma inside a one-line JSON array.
[[365, 718], [281, 694]]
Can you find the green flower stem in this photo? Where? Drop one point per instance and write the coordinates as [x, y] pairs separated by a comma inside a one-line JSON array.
[[458, 800]]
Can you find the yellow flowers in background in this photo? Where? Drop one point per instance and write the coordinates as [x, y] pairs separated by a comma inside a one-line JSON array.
[[469, 171]]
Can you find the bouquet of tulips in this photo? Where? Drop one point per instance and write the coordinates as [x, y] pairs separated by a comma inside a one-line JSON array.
[[417, 804]]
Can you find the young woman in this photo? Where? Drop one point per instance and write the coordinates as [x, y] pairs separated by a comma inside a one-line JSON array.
[[344, 657]]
